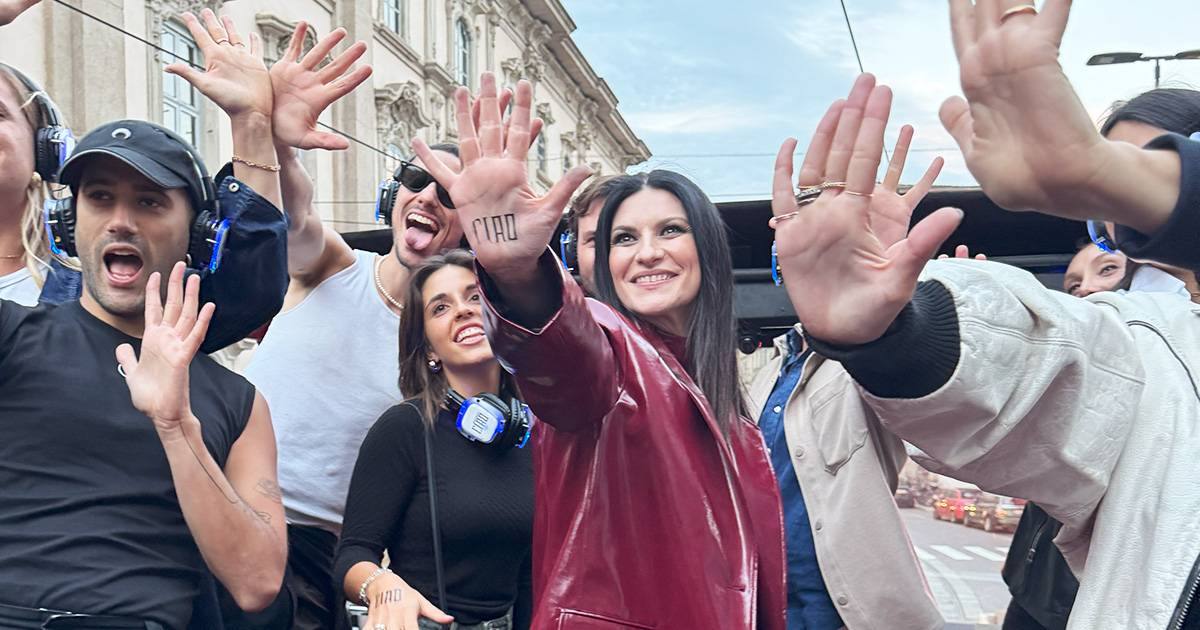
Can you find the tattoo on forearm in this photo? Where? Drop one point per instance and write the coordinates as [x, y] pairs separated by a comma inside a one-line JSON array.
[[262, 516], [268, 488], [497, 229], [387, 597]]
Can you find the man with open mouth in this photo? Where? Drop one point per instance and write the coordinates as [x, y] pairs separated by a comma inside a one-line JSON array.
[[328, 366], [133, 470]]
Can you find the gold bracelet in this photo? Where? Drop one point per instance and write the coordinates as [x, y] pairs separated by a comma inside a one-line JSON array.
[[274, 168]]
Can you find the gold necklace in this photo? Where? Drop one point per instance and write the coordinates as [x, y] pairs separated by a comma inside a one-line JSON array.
[[12, 256], [379, 285]]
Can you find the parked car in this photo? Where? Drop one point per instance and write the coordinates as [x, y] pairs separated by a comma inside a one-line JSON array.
[[994, 513], [950, 505], [904, 497]]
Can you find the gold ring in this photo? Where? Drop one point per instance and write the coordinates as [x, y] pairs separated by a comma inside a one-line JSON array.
[[1018, 10], [783, 217], [809, 194], [856, 194]]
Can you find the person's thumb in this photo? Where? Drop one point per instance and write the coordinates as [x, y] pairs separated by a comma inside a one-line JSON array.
[[433, 612], [186, 72], [925, 239], [324, 140], [955, 114], [126, 358], [561, 193]]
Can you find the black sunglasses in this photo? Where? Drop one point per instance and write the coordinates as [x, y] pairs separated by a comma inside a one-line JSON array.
[[416, 179]]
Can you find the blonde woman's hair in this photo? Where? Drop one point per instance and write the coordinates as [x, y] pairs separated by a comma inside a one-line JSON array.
[[33, 229]]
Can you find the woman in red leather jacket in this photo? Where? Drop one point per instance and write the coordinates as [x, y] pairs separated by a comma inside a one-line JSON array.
[[656, 506]]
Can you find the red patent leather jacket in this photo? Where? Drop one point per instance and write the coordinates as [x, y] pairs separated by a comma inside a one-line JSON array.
[[646, 516]]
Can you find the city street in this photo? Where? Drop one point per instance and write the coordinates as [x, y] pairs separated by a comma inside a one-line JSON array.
[[962, 565]]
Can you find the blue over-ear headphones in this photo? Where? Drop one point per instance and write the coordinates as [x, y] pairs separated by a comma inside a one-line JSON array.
[[1100, 236], [487, 419], [206, 242], [53, 141], [566, 250]]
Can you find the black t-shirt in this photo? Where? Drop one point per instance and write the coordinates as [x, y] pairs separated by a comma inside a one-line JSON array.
[[89, 519], [485, 511]]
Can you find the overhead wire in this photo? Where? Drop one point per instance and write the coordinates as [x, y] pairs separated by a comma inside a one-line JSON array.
[[858, 58], [845, 13], [199, 67]]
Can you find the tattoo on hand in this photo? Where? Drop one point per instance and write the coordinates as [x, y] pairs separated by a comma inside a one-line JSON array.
[[262, 516], [268, 488], [386, 597], [497, 229]]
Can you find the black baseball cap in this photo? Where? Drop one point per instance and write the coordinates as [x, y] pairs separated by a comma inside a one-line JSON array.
[[153, 150]]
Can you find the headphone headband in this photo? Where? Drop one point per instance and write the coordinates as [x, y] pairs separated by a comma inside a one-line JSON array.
[[49, 107]]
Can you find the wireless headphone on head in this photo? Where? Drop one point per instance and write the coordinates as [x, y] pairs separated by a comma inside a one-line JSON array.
[[206, 241], [567, 250], [386, 198], [53, 141], [489, 420]]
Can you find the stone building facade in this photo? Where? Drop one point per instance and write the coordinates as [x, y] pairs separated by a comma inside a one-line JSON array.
[[421, 51]]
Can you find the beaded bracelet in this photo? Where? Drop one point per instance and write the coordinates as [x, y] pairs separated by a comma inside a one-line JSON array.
[[362, 590]]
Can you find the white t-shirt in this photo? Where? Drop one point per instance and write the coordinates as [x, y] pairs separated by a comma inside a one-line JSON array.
[[20, 287], [328, 368]]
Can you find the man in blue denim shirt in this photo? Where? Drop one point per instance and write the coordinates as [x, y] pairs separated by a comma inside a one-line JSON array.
[[809, 604]]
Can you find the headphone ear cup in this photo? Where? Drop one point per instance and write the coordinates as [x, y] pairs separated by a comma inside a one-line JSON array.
[[60, 226], [387, 198], [206, 241], [572, 251], [44, 156]]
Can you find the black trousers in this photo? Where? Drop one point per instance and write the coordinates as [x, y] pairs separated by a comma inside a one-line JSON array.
[[319, 602]]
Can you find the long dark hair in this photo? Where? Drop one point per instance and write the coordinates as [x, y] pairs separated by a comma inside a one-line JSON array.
[[712, 331], [416, 379], [1175, 110]]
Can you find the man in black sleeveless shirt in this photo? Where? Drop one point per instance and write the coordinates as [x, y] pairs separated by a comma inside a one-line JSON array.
[[130, 468]]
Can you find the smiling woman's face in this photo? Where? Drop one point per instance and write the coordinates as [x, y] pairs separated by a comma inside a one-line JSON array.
[[653, 260], [453, 320]]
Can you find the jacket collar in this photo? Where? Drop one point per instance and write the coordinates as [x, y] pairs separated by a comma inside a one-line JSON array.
[[781, 351]]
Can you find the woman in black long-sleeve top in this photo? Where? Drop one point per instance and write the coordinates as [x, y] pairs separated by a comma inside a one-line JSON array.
[[484, 491]]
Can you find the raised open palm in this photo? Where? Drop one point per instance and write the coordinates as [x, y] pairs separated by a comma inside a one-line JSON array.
[[846, 280], [158, 378], [506, 222], [234, 76], [1025, 135], [303, 90]]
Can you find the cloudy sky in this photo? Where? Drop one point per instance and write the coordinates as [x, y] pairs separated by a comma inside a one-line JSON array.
[[713, 87]]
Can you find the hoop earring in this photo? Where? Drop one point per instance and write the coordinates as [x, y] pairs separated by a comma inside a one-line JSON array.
[[434, 366]]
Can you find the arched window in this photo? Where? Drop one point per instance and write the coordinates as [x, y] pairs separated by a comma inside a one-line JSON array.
[[462, 52], [181, 101]]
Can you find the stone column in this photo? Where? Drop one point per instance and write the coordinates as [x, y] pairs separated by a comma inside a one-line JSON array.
[[353, 169], [82, 59]]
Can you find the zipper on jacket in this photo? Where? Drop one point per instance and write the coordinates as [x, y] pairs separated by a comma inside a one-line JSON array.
[[1187, 598], [1182, 363], [1033, 542]]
